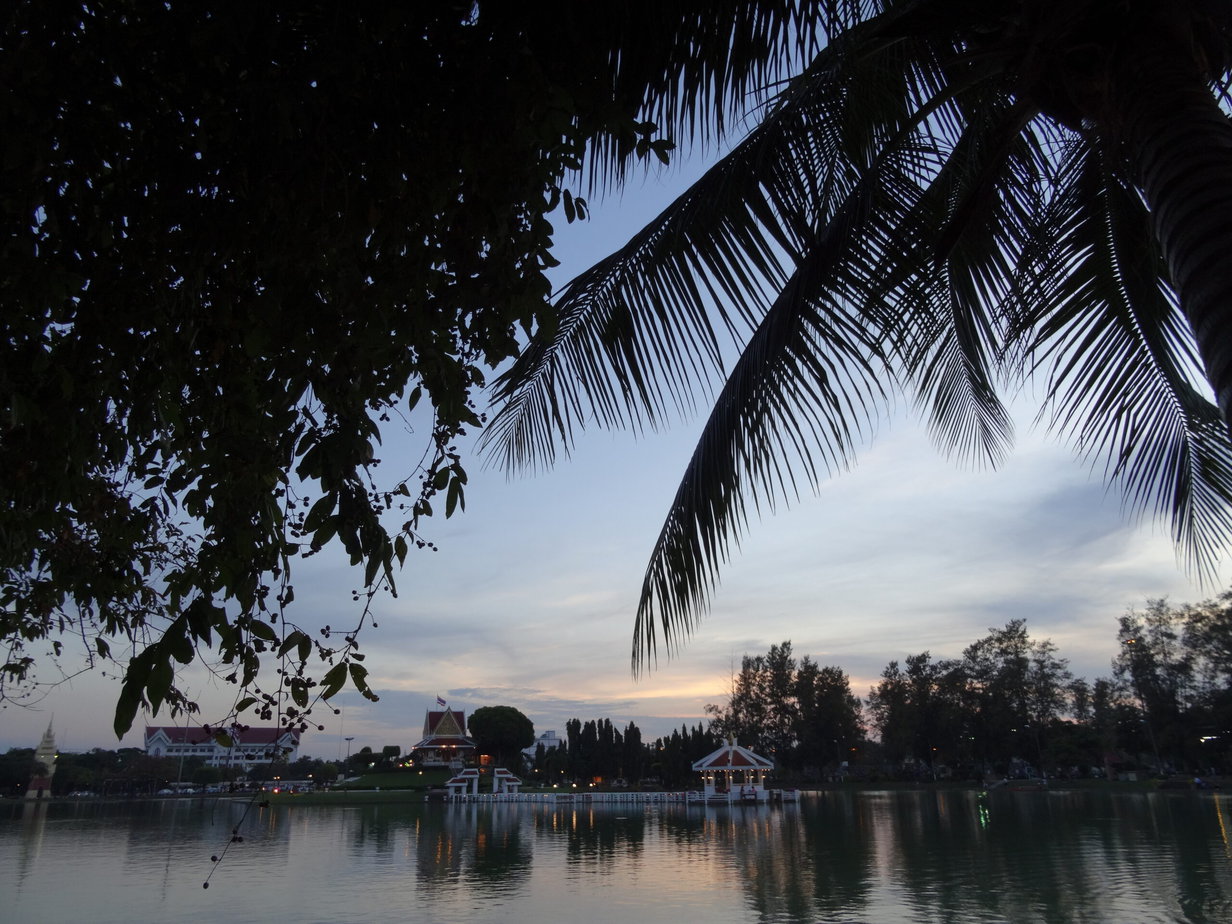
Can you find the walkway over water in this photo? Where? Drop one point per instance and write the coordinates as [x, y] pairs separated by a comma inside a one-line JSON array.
[[628, 798]]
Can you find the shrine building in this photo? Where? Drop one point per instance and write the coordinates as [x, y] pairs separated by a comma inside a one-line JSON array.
[[444, 742]]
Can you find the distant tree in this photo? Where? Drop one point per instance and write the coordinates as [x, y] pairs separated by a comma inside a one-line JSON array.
[[503, 732], [828, 716], [1048, 693], [16, 766], [573, 748], [1016, 688], [633, 755], [554, 766], [1080, 700], [1207, 635], [1106, 718], [761, 712], [889, 705], [744, 717], [778, 691], [359, 761], [584, 763], [794, 712], [919, 712], [671, 758], [611, 746], [1159, 671], [305, 768]]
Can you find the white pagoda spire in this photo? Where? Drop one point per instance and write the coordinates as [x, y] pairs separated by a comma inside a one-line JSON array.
[[44, 766]]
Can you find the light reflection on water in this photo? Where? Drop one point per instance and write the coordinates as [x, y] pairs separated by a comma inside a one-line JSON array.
[[919, 856]]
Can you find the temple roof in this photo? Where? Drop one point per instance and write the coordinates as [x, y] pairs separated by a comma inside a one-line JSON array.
[[444, 722], [444, 728], [732, 756], [180, 734]]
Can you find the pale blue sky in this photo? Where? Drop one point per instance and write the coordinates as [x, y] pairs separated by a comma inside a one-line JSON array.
[[530, 600]]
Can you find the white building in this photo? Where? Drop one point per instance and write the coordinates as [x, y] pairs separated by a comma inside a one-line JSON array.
[[250, 747], [44, 767]]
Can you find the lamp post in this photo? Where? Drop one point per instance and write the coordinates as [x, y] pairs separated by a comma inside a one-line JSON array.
[[347, 765]]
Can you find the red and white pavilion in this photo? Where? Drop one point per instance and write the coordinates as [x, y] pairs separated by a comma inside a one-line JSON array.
[[734, 774]]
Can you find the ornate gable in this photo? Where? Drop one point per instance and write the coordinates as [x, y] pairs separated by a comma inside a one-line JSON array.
[[448, 723]]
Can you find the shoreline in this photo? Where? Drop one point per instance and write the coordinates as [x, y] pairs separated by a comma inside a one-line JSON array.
[[420, 795]]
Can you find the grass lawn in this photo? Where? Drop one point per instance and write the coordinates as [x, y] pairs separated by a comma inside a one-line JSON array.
[[418, 780]]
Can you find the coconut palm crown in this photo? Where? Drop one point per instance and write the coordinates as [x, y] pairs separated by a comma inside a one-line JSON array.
[[952, 198]]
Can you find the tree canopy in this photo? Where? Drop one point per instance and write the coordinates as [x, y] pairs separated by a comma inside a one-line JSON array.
[[238, 242], [235, 242], [501, 731], [802, 714]]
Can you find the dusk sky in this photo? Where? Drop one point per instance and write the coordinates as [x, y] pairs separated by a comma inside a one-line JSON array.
[[531, 598]]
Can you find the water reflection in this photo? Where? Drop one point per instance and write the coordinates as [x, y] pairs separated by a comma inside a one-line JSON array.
[[482, 848], [33, 823], [594, 838], [903, 856], [793, 863], [1056, 856]]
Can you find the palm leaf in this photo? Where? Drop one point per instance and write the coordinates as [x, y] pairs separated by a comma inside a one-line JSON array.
[[797, 405], [693, 69], [899, 217], [638, 335], [1122, 362]]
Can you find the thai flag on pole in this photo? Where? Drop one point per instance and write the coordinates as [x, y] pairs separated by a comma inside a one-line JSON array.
[[439, 701]]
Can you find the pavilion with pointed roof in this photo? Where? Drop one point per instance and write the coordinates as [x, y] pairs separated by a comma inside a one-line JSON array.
[[444, 742], [734, 774], [44, 767]]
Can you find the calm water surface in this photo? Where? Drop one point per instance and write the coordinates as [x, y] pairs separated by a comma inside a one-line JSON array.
[[837, 857]]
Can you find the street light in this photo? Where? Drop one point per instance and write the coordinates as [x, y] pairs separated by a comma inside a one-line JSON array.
[[349, 739]]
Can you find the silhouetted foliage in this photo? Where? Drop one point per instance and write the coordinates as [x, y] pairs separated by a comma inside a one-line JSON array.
[[238, 240], [502, 732]]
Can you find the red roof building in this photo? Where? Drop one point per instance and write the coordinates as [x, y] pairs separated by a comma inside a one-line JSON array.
[[249, 747], [444, 742]]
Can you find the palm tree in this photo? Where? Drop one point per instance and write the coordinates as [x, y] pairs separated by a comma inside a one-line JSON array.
[[952, 198]]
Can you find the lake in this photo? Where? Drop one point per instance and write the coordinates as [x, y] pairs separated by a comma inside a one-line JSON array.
[[920, 856]]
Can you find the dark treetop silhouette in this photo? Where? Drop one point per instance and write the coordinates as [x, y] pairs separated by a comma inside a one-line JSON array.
[[239, 240]]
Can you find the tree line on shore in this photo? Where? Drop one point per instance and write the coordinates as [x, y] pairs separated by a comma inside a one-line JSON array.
[[1008, 705], [133, 772]]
